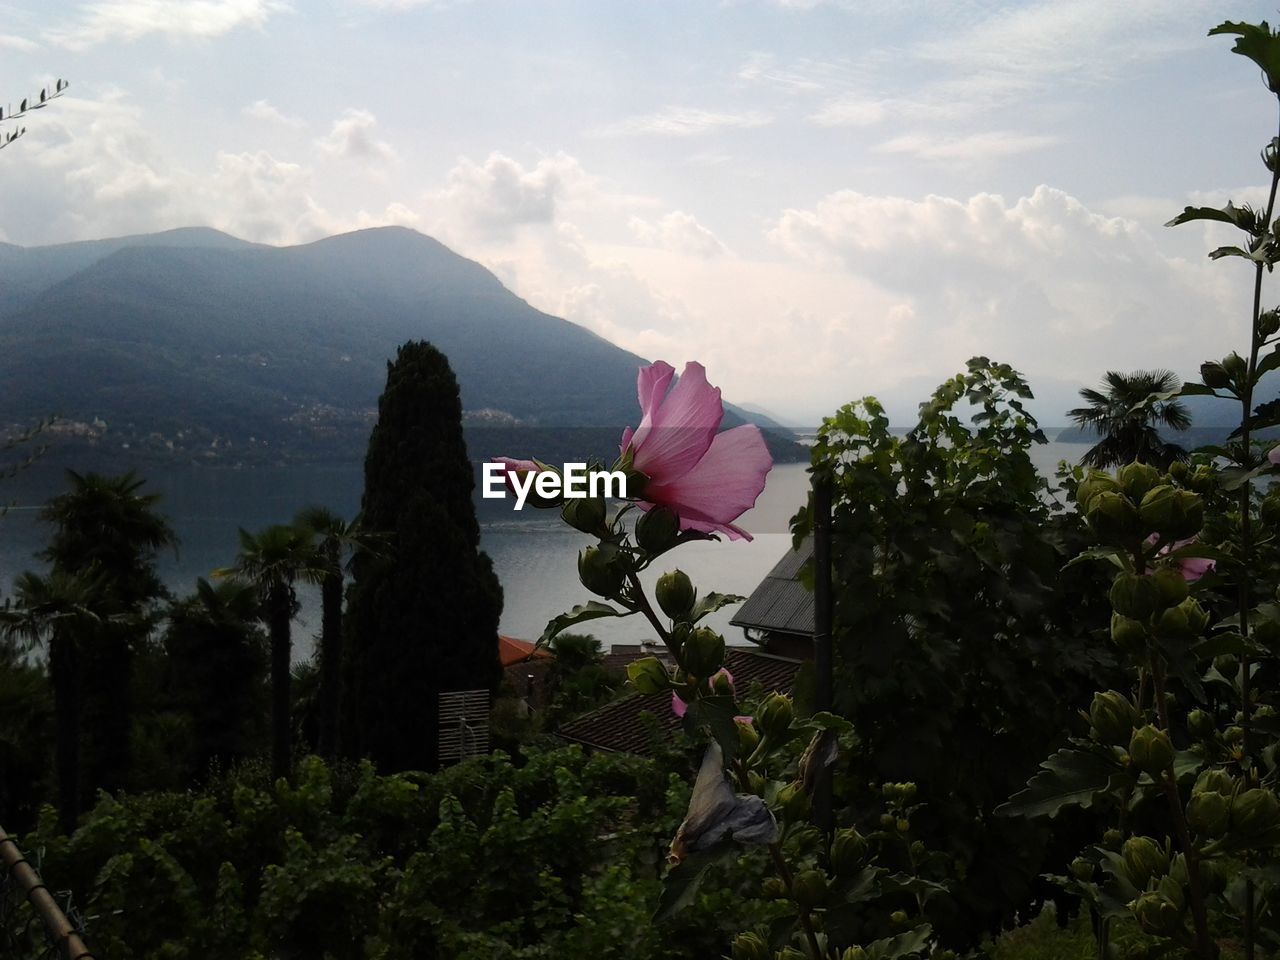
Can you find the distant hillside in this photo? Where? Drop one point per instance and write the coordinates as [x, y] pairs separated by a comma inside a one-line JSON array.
[[192, 345]]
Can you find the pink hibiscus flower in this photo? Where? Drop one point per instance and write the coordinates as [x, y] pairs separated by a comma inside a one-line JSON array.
[[680, 708], [708, 478], [1191, 568]]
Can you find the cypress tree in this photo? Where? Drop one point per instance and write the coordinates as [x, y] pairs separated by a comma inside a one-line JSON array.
[[422, 613]]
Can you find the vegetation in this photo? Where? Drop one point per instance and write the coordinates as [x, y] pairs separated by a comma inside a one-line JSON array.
[[428, 606], [1129, 425], [1065, 693]]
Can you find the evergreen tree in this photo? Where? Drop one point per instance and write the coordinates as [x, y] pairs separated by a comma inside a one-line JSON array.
[[107, 529], [422, 619]]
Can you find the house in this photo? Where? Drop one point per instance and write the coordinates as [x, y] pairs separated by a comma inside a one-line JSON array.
[[524, 667], [779, 614]]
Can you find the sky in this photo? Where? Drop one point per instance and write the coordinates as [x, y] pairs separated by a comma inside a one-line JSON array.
[[818, 200]]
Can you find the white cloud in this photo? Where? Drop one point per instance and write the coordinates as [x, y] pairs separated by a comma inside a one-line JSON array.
[[851, 110], [1043, 283], [683, 122], [501, 194], [266, 112], [14, 42], [352, 136], [679, 232], [971, 148], [128, 20]]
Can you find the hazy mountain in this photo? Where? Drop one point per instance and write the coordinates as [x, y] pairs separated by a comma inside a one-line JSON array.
[[193, 345]]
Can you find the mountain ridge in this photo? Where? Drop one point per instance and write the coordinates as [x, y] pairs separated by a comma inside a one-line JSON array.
[[194, 345]]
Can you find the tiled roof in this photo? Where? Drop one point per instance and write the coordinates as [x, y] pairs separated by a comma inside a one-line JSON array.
[[512, 651], [617, 726], [781, 604]]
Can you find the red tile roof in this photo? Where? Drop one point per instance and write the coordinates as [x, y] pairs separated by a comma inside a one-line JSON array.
[[512, 651], [618, 726]]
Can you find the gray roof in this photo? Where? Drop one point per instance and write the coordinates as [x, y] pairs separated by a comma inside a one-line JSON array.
[[781, 604]]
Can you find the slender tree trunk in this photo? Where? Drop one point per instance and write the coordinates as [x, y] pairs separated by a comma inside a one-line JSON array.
[[106, 710], [64, 676], [280, 616], [330, 660]]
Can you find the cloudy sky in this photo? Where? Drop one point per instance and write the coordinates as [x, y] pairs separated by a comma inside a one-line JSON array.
[[819, 200]]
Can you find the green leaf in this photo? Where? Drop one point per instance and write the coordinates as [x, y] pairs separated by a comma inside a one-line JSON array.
[[1269, 362], [829, 721], [591, 610], [1111, 554], [1070, 778], [1259, 44], [1236, 216], [711, 603], [1222, 252], [717, 713], [903, 945], [683, 879]]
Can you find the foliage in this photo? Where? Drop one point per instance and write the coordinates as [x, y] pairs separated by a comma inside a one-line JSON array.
[[1183, 754], [552, 858], [961, 651], [29, 105], [1129, 427], [428, 607]]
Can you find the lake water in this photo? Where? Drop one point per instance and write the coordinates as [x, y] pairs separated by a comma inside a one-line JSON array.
[[533, 552]]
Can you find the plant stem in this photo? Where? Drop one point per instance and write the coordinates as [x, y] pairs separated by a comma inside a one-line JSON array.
[[642, 602], [1246, 533], [806, 921], [1199, 916]]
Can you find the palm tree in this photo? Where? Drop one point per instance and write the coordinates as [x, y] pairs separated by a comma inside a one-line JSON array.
[[105, 527], [56, 610], [217, 652], [1130, 432], [273, 561], [336, 537]]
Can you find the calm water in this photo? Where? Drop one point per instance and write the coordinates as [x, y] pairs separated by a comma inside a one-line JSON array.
[[533, 552]]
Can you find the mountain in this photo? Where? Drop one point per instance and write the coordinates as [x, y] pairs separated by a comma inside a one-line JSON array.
[[193, 345]]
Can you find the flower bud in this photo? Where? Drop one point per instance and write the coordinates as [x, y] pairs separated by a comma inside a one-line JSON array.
[[854, 953], [703, 652], [648, 676], [675, 594], [1172, 625], [756, 782], [1113, 717], [750, 946], [1208, 814], [1113, 517], [1095, 483], [1235, 366], [903, 825], [793, 801], [1197, 616], [898, 918], [1151, 750], [907, 791], [1129, 635], [1171, 587], [1112, 839], [585, 514], [657, 530], [680, 632], [1156, 914], [1171, 890], [1254, 812], [773, 889], [1201, 724], [1136, 479], [1215, 780], [810, 888], [1133, 596], [1143, 859], [1175, 513], [789, 953], [848, 852], [774, 716], [1214, 375], [599, 573], [1082, 869], [748, 739]]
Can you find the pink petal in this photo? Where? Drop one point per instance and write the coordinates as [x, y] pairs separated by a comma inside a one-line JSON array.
[[1274, 455], [514, 467], [678, 706], [722, 486], [673, 436], [651, 386], [1193, 568]]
